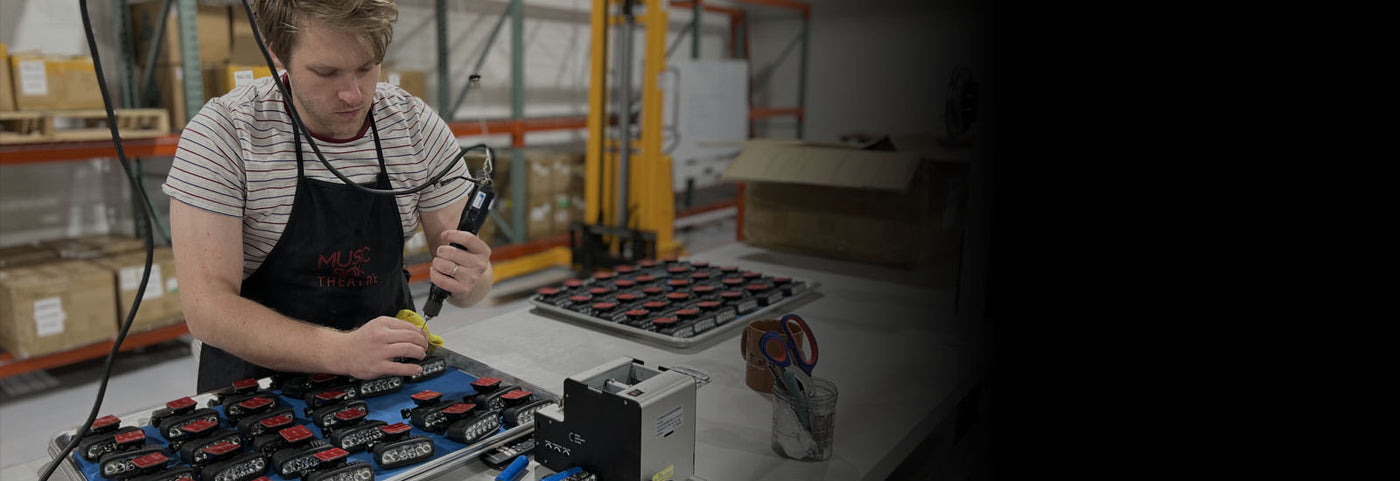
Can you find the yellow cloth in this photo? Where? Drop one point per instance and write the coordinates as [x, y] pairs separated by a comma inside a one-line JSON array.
[[417, 320]]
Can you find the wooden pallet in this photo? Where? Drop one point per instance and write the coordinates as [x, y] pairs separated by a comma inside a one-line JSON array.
[[21, 127], [80, 125]]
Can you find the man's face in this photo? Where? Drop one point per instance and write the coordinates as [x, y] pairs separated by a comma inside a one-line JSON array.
[[332, 81]]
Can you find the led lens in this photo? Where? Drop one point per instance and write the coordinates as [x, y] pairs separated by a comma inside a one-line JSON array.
[[358, 438], [402, 453], [475, 428], [349, 472], [245, 467]]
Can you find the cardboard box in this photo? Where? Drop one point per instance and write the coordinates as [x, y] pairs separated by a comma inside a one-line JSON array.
[[54, 82], [160, 306], [7, 91], [170, 93], [211, 27], [894, 207], [415, 82], [55, 306], [219, 80], [94, 246], [539, 219], [25, 254]]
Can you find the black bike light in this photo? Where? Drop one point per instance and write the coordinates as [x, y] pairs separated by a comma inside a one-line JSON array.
[[339, 414], [172, 428], [380, 386], [298, 385], [405, 452], [485, 385], [173, 408], [258, 404], [523, 414], [515, 398], [294, 436], [294, 463], [492, 401], [244, 467], [475, 428], [178, 473], [349, 472], [435, 418], [132, 463], [199, 452], [391, 433], [93, 448], [326, 397], [104, 425], [255, 425], [358, 437], [433, 366]]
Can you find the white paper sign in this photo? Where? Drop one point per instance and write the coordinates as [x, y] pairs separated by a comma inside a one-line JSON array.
[[393, 78], [242, 77], [32, 78], [49, 316]]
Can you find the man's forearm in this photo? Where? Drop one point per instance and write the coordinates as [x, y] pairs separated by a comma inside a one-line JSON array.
[[261, 336]]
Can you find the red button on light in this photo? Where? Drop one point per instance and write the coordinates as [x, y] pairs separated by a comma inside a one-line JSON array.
[[245, 384], [220, 448], [104, 421], [573, 282], [255, 403], [603, 306], [548, 291], [396, 428], [295, 433], [153, 459], [624, 269], [199, 426], [645, 278], [678, 296], [332, 454], [624, 283], [182, 403], [664, 321], [678, 282], [655, 305], [580, 298], [627, 297], [598, 291], [130, 436]]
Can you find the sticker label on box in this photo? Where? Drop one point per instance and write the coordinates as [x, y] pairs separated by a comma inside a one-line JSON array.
[[49, 316], [32, 78], [393, 78], [131, 279], [171, 285]]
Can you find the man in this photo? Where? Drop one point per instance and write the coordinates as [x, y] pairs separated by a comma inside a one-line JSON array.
[[282, 267]]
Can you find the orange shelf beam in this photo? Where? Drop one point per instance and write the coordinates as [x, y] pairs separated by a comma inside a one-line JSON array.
[[14, 154], [516, 127], [9, 366], [419, 272]]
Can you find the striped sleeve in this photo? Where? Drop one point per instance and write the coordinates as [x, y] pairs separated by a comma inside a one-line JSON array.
[[439, 152], [208, 171]]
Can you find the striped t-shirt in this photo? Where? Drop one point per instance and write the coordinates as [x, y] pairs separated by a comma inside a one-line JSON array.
[[237, 158]]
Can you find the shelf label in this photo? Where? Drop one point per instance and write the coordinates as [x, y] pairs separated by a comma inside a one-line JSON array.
[[32, 78], [49, 316]]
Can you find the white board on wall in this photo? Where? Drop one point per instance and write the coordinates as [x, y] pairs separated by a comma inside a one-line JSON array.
[[707, 106]]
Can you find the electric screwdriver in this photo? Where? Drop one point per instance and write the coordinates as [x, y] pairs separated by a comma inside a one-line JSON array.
[[472, 219]]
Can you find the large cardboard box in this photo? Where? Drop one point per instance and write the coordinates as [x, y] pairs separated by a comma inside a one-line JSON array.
[[903, 206], [243, 46], [211, 27], [93, 246], [55, 306], [55, 82], [415, 82], [7, 91], [160, 306], [25, 254], [220, 79]]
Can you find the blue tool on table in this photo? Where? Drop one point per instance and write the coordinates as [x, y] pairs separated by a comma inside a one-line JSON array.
[[788, 363]]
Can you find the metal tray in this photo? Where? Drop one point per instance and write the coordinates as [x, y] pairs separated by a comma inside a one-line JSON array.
[[69, 468], [703, 338]]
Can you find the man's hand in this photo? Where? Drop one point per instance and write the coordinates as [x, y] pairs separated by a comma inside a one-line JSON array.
[[459, 271], [369, 352]]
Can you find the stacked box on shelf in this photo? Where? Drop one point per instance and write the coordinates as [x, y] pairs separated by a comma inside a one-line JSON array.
[[55, 306]]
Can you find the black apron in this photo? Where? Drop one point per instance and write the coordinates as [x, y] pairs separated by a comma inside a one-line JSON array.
[[339, 264]]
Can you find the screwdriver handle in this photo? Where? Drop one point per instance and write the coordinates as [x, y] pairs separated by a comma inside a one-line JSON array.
[[472, 219]]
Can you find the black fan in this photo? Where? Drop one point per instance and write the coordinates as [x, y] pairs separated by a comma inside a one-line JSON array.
[[961, 107]]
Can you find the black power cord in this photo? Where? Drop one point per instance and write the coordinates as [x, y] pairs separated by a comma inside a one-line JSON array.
[[149, 212]]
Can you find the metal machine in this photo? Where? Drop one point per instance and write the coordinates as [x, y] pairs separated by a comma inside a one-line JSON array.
[[630, 422]]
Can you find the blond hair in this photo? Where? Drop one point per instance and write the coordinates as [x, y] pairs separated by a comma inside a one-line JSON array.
[[280, 22]]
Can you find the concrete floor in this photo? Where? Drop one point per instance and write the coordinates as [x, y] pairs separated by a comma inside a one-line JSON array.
[[36, 406]]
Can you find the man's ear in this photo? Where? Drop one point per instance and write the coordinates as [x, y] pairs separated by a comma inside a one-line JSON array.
[[277, 62]]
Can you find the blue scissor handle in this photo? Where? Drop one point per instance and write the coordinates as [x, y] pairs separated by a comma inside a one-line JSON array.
[[806, 365], [774, 348]]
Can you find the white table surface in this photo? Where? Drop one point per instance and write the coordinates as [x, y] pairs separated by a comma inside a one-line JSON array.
[[895, 350]]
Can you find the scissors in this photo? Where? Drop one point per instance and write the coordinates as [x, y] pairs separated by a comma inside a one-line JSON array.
[[787, 362]]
